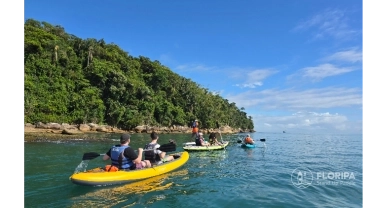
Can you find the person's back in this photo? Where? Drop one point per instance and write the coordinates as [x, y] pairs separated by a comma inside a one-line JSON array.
[[124, 157], [213, 139], [118, 159], [153, 154], [195, 127], [199, 140]]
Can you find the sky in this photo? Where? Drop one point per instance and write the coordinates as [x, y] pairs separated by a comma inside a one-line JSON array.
[[294, 66]]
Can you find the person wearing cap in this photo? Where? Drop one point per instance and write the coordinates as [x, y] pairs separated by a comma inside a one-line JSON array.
[[154, 155], [248, 140], [195, 129], [213, 139], [124, 157], [199, 140]]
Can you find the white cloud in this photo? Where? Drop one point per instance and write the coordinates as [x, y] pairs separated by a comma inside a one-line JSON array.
[[307, 122], [324, 98], [319, 72], [193, 67], [351, 56], [324, 70], [249, 85], [307, 106], [253, 78], [330, 23]]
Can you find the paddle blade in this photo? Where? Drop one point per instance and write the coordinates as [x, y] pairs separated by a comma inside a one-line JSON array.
[[90, 155], [239, 141], [262, 140], [170, 147]]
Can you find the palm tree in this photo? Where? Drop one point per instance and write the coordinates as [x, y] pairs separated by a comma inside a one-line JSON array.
[[90, 55], [56, 54]]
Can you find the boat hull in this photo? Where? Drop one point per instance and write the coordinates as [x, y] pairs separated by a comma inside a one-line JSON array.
[[205, 148], [248, 145], [99, 177]]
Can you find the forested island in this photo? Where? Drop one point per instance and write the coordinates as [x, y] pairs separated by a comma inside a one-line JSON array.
[[75, 81]]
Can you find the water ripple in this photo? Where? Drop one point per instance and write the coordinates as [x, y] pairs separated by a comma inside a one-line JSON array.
[[235, 177]]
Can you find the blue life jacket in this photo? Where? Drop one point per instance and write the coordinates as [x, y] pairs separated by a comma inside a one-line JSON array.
[[118, 159], [151, 155]]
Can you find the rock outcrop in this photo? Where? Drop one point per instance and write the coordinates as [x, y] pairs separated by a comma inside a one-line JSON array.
[[70, 129]]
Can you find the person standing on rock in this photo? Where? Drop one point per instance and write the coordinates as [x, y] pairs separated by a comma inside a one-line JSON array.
[[195, 129]]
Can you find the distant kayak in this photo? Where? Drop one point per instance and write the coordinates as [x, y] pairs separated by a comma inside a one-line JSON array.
[[193, 147], [248, 145]]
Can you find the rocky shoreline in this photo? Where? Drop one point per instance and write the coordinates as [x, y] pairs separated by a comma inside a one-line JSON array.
[[83, 132]]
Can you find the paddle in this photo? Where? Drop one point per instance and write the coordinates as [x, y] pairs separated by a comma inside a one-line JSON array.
[[219, 131], [240, 141], [91, 155], [170, 147]]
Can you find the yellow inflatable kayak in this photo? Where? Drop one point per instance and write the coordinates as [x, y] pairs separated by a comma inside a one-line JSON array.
[[99, 177]]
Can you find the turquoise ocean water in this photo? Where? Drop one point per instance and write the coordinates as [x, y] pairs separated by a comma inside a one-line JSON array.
[[288, 170]]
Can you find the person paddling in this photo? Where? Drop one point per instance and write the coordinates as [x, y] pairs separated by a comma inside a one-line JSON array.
[[213, 140], [153, 154], [248, 140], [124, 157]]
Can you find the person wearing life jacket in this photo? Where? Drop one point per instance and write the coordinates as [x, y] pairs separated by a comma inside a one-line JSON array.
[[153, 154], [124, 157], [199, 140], [213, 140], [248, 140]]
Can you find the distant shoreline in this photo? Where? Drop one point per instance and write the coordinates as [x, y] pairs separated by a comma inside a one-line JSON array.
[[48, 133], [39, 135]]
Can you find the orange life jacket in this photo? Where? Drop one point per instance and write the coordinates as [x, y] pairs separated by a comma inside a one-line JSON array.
[[111, 168], [248, 140]]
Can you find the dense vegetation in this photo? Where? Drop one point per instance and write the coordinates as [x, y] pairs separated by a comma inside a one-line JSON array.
[[72, 80]]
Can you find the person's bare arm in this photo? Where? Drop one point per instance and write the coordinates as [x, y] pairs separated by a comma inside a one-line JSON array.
[[106, 157], [139, 157], [162, 155]]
